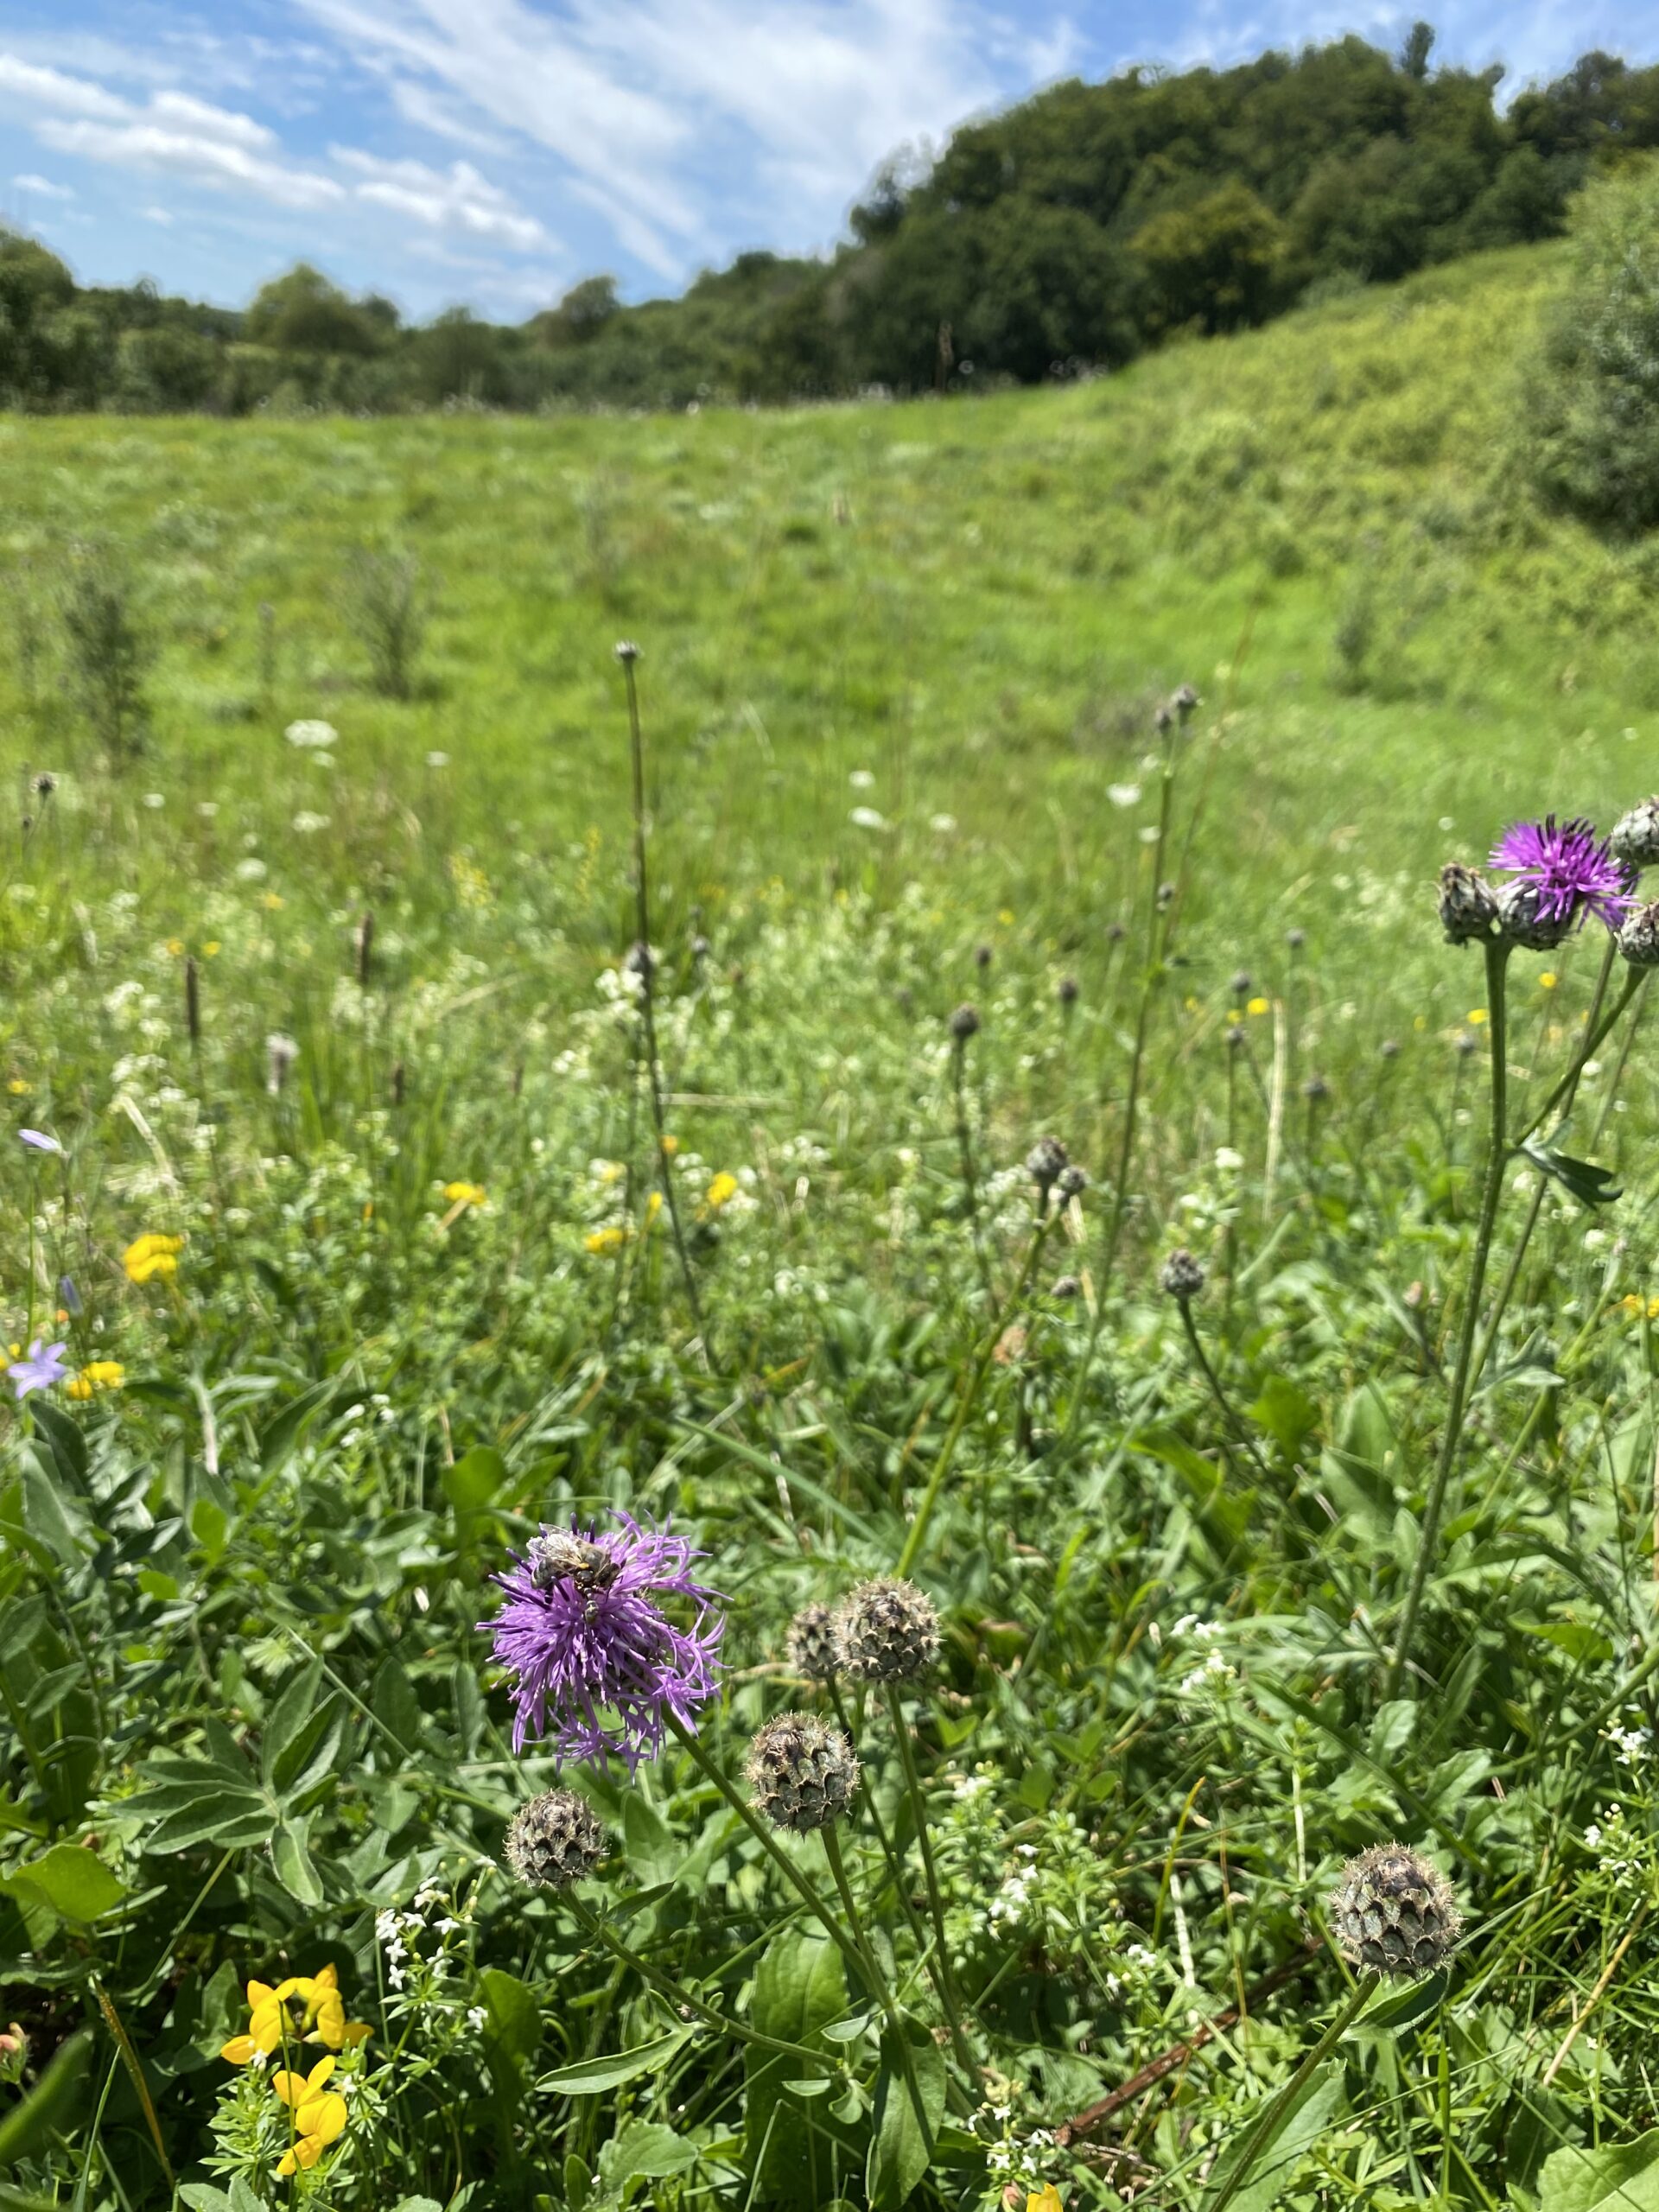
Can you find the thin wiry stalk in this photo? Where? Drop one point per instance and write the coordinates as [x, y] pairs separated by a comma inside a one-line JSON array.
[[871, 1971], [965, 1149], [1216, 1391], [1497, 1153], [647, 1002], [1265, 2131], [944, 1980]]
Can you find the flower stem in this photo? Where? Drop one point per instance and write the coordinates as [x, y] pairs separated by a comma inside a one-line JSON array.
[[1595, 1031], [647, 1007], [1218, 1393], [943, 1978], [1267, 2130], [806, 1889], [872, 1973], [1497, 1153], [965, 1147], [968, 1397], [666, 1986]]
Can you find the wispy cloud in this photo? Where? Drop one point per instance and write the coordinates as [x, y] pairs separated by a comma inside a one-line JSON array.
[[455, 199], [42, 188]]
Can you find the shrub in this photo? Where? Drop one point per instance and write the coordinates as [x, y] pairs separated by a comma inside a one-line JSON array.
[[108, 653], [388, 612], [1593, 390]]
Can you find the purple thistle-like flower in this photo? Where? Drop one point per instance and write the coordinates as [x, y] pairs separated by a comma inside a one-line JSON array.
[[597, 1666], [1572, 871], [43, 1367]]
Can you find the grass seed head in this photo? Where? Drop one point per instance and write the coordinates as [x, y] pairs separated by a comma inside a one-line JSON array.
[[1394, 1913], [803, 1772], [887, 1632], [554, 1840]]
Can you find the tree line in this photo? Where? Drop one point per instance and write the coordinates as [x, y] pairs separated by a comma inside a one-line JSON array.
[[1068, 233]]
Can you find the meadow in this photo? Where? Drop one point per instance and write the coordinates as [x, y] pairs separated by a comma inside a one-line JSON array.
[[388, 1209]]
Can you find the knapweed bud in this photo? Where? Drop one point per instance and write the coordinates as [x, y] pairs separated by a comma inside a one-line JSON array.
[[1638, 938], [1233, 1038], [626, 650], [1240, 986], [554, 1840], [804, 1773], [1066, 1286], [1073, 1181], [1115, 932], [964, 1023], [1184, 699], [1522, 922], [1066, 990], [1163, 719], [1389, 1048], [887, 1632], [1634, 838], [1046, 1164], [1465, 1043], [812, 1643], [1315, 1089], [1467, 904], [983, 957], [1183, 1276], [1394, 1912]]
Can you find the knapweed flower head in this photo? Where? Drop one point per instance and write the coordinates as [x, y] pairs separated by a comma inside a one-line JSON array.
[[1394, 1912], [1570, 871], [598, 1667], [1638, 938], [37, 1369], [554, 1840], [306, 2008], [804, 1773], [1467, 903], [1634, 837], [887, 1632], [1183, 1275], [152, 1258], [812, 1643]]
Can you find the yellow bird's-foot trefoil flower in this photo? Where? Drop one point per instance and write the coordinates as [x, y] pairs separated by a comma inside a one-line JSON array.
[[320, 2114]]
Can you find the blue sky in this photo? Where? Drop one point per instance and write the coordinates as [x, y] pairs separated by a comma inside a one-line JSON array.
[[490, 152]]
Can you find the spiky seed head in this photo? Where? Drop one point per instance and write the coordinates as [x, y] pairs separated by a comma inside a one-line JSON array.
[[1526, 921], [1073, 1181], [1184, 699], [626, 650], [1394, 1912], [554, 1840], [1296, 940], [1045, 1163], [1234, 1039], [1240, 986], [812, 1643], [1634, 838], [1639, 940], [803, 1773], [1183, 1277], [1163, 719], [1066, 990], [1166, 895], [964, 1022], [1115, 932], [887, 1632], [1465, 1043], [981, 957], [1066, 1286], [1389, 1048], [1316, 1088]]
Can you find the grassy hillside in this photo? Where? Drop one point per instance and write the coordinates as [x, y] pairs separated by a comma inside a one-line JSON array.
[[900, 671]]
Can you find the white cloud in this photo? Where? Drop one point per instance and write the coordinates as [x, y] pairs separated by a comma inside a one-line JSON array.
[[158, 215], [42, 188], [51, 89], [455, 199]]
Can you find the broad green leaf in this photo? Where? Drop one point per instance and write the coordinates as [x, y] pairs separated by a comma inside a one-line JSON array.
[[1618, 2178], [908, 2111], [1577, 1638], [290, 1855], [1314, 2107], [791, 2144], [588, 2078], [476, 1478], [1287, 1413], [61, 1433], [644, 2150], [288, 1718], [73, 1880]]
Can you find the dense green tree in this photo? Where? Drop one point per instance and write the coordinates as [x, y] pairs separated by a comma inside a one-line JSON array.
[[304, 312], [1218, 262]]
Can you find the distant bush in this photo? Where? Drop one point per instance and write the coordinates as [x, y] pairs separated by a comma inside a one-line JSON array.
[[1593, 391], [108, 653]]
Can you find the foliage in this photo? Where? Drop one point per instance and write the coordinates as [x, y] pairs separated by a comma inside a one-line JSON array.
[[900, 674], [1061, 235], [1593, 397]]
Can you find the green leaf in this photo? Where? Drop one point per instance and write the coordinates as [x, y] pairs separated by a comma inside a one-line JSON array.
[[288, 1718], [51, 2106], [1590, 1185], [901, 2149], [63, 1437], [1315, 2105], [1577, 1638], [800, 1990], [644, 2150], [513, 2027], [73, 1880], [1287, 1413], [476, 1478], [1618, 2178], [290, 1855], [588, 2078]]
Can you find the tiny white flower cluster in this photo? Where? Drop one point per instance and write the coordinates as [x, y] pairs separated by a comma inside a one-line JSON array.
[[1622, 1853]]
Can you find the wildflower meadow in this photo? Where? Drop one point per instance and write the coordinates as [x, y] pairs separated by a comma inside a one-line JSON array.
[[828, 1252]]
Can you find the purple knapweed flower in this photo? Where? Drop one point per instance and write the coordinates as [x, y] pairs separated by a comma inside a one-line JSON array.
[[43, 1367], [38, 1140], [1571, 871], [598, 1667]]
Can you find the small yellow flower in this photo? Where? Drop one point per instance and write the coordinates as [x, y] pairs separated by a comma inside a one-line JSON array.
[[602, 1241], [1005, 915], [264, 2030], [18, 1087], [273, 902], [1234, 1014], [610, 1172], [1190, 1003], [320, 2114], [721, 1190], [211, 948], [152, 1258], [1477, 1014], [1256, 1006], [670, 1145], [1549, 980], [305, 2007], [97, 1375], [653, 1207], [175, 946], [1046, 2199], [465, 1194]]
